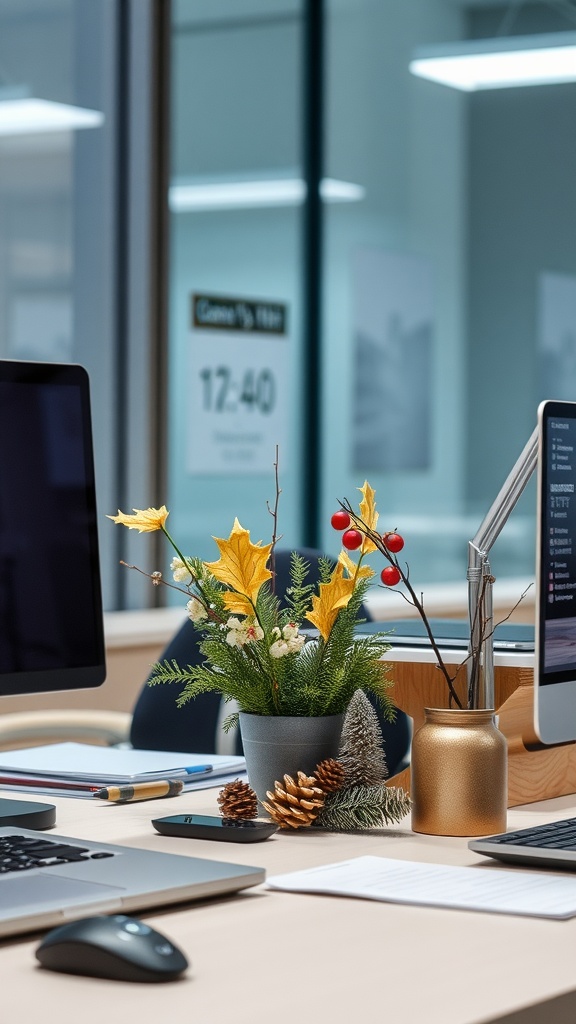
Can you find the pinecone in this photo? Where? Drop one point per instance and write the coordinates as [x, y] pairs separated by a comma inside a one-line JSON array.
[[330, 775], [296, 803], [237, 800]]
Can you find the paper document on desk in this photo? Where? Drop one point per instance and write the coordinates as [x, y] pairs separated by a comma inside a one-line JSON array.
[[84, 764], [493, 889]]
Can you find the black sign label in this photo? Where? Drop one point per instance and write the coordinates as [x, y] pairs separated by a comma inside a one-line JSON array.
[[211, 312]]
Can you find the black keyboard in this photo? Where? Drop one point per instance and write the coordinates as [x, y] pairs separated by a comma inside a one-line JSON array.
[[549, 845], [20, 853]]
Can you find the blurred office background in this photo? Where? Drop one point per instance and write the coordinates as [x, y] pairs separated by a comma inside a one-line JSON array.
[[419, 238]]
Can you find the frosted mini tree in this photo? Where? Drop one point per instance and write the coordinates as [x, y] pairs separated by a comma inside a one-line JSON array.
[[361, 747]]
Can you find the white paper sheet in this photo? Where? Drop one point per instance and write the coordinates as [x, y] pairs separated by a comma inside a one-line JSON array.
[[500, 890]]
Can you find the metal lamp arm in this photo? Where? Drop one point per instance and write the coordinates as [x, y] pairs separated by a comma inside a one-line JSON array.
[[480, 580]]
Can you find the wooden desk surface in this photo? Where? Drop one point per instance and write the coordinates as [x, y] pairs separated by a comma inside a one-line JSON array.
[[266, 956]]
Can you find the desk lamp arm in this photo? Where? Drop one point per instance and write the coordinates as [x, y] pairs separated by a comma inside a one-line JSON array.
[[480, 579]]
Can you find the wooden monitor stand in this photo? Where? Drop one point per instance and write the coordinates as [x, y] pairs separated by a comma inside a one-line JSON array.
[[535, 772]]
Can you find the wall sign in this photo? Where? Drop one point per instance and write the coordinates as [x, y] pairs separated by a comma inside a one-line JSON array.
[[238, 382]]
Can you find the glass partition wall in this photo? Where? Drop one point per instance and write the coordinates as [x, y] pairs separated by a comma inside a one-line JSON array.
[[410, 347], [446, 275], [450, 288], [236, 362], [58, 90], [81, 202]]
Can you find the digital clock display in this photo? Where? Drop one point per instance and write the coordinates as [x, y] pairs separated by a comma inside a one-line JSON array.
[[223, 393]]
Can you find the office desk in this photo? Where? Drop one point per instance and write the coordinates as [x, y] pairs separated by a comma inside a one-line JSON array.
[[269, 956]]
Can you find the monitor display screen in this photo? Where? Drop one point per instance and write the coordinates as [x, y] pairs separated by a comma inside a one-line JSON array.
[[555, 655], [557, 536], [51, 622]]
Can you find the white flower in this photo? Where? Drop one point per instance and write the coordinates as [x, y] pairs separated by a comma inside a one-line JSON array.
[[180, 571], [196, 610], [243, 632], [288, 642], [296, 643], [279, 648]]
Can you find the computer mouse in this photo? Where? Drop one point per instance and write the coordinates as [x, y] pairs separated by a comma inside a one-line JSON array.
[[117, 947]]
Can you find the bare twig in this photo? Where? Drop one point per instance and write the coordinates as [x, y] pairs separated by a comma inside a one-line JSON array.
[[274, 513], [158, 580]]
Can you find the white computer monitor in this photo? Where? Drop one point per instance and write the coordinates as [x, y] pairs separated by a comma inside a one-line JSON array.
[[555, 634]]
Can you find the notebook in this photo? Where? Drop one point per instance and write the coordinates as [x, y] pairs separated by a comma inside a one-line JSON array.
[[47, 879], [75, 768]]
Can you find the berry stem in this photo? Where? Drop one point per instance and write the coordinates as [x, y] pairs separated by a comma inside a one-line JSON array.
[[376, 539]]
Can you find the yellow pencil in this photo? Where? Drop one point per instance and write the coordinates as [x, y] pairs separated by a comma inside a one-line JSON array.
[[140, 791]]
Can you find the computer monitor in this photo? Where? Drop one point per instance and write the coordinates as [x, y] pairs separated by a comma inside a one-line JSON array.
[[51, 622], [555, 647]]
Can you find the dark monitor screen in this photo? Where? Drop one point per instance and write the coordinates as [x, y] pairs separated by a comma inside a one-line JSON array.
[[51, 622]]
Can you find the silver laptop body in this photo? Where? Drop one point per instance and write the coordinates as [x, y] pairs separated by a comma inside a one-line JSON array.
[[101, 878]]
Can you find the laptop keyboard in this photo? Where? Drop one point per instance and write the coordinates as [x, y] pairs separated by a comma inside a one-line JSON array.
[[557, 835], [20, 853]]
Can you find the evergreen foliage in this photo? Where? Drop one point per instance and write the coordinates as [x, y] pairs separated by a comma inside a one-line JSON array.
[[363, 807], [317, 678]]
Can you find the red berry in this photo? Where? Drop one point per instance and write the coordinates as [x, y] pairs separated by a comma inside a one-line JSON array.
[[390, 576], [340, 520], [352, 539], [393, 541]]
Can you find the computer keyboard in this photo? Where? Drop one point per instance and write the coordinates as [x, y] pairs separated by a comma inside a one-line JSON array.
[[20, 853], [550, 845]]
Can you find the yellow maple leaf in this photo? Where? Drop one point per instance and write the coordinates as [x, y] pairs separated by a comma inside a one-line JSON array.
[[241, 566], [237, 603], [369, 515], [331, 598], [356, 572], [144, 520]]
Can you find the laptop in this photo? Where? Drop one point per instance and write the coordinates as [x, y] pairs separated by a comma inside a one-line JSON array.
[[550, 845], [449, 633], [46, 879]]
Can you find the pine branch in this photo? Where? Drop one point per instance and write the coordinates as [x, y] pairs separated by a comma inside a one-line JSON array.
[[363, 807], [299, 592]]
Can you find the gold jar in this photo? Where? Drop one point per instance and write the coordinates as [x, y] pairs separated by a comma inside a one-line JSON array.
[[459, 779]]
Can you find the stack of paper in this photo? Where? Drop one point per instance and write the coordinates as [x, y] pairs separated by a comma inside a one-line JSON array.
[[79, 769], [501, 890]]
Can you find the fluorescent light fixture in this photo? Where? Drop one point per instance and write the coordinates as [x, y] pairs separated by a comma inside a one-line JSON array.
[[499, 63], [270, 192], [26, 115]]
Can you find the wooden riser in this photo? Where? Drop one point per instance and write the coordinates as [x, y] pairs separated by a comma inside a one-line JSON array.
[[535, 772]]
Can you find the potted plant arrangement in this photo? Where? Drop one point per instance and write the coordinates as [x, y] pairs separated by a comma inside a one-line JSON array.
[[290, 686]]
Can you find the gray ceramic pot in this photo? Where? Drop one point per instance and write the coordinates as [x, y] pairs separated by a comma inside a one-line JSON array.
[[275, 746]]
